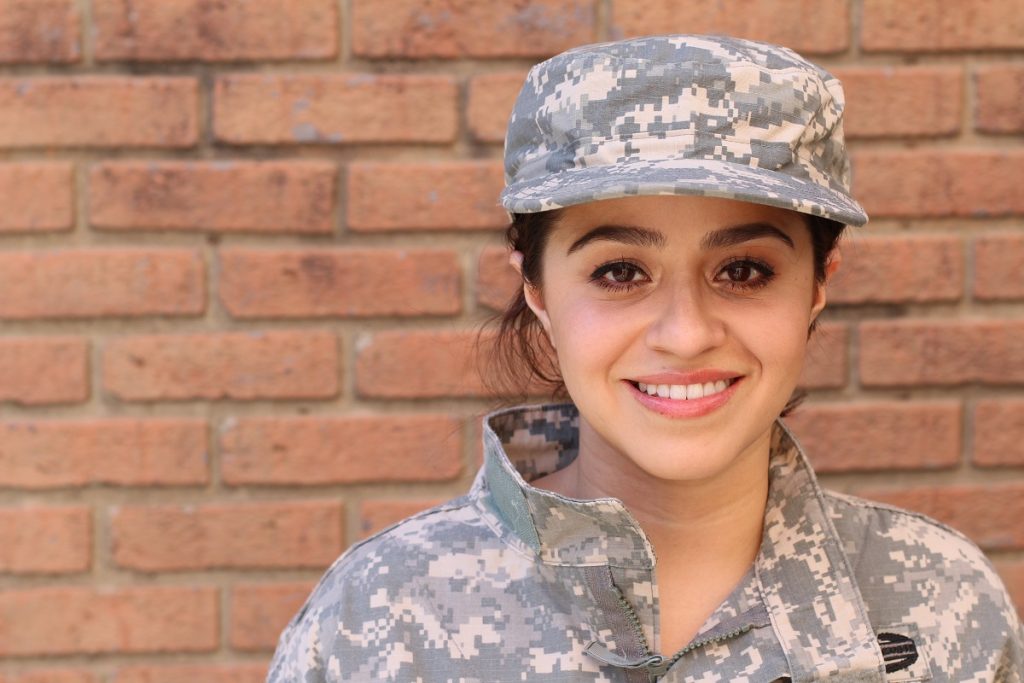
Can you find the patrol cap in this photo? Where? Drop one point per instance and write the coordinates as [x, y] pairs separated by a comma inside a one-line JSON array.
[[680, 114]]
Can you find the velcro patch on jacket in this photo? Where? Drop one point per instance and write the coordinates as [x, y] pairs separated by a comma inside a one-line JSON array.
[[903, 653]]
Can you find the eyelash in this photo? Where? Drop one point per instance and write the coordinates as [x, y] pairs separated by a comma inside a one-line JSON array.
[[765, 272]]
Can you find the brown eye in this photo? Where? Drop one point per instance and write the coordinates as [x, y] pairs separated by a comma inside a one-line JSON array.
[[619, 276], [621, 272], [739, 272], [745, 274]]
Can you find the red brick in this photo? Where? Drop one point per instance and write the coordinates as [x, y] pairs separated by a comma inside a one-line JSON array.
[[75, 111], [826, 363], [999, 266], [881, 269], [162, 538], [252, 196], [209, 31], [804, 25], [36, 196], [997, 98], [49, 675], [377, 515], [50, 540], [496, 280], [418, 364], [36, 31], [881, 435], [259, 612], [83, 283], [334, 108], [989, 515], [88, 620], [341, 282], [333, 450], [1012, 574], [190, 673], [40, 370], [489, 104], [917, 183], [999, 432], [38, 454], [941, 352], [938, 25], [463, 28], [877, 101], [233, 365], [460, 195]]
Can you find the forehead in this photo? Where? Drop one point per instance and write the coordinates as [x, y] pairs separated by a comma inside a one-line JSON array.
[[676, 215]]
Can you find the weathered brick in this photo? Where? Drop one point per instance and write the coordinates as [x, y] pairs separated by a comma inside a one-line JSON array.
[[918, 183], [163, 538], [937, 25], [999, 266], [826, 362], [341, 282], [806, 26], [988, 514], [190, 673], [461, 28], [460, 195], [881, 435], [50, 675], [1012, 574], [875, 270], [260, 611], [40, 370], [998, 91], [233, 365], [418, 364], [376, 515], [941, 352], [334, 108], [215, 31], [496, 279], [83, 283], [75, 111], [45, 540], [999, 432], [335, 450], [36, 196], [254, 196], [37, 454], [878, 99], [489, 104], [87, 620], [36, 31]]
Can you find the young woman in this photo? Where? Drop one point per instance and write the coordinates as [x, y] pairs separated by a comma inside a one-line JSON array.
[[676, 203]]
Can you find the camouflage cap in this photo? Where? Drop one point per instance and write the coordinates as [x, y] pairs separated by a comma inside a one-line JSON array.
[[680, 114]]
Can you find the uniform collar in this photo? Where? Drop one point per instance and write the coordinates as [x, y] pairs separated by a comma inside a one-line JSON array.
[[803, 574]]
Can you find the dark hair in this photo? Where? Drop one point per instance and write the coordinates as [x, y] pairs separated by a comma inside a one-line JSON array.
[[522, 361]]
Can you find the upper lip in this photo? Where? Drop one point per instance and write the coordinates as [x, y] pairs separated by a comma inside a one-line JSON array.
[[695, 377]]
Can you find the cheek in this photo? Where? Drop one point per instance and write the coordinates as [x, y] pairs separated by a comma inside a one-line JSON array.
[[589, 335]]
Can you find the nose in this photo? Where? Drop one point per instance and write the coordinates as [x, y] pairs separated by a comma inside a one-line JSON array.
[[685, 322]]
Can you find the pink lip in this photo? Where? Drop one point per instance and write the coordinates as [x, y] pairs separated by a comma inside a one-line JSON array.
[[695, 377], [678, 408]]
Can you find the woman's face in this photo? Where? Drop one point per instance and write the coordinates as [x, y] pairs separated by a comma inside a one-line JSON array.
[[680, 325]]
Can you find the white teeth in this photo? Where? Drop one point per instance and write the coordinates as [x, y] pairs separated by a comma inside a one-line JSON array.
[[682, 392]]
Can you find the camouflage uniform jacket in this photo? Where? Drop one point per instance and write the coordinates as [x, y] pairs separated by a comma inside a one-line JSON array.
[[514, 583]]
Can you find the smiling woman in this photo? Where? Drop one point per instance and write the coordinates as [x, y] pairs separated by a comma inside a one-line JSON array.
[[676, 204]]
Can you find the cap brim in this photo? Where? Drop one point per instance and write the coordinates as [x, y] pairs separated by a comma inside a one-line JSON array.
[[696, 177]]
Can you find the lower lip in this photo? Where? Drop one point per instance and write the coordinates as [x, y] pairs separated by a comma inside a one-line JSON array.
[[694, 407]]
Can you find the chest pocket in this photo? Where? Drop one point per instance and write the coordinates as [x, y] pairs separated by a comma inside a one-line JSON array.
[[903, 649]]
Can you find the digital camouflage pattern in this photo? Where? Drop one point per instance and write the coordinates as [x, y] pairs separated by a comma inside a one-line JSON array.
[[680, 114], [515, 583]]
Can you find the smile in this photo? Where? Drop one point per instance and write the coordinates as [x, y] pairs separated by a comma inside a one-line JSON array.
[[684, 400], [683, 392]]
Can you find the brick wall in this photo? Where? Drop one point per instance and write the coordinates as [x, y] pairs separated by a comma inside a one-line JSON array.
[[243, 252]]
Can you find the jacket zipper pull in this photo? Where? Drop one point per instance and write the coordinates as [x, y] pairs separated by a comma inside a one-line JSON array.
[[656, 665]]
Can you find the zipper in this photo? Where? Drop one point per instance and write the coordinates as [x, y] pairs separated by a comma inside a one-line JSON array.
[[655, 664]]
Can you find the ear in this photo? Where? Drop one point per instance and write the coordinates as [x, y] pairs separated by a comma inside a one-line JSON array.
[[533, 295], [835, 257]]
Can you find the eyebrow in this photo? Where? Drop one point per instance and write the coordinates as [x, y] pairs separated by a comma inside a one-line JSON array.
[[647, 237]]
